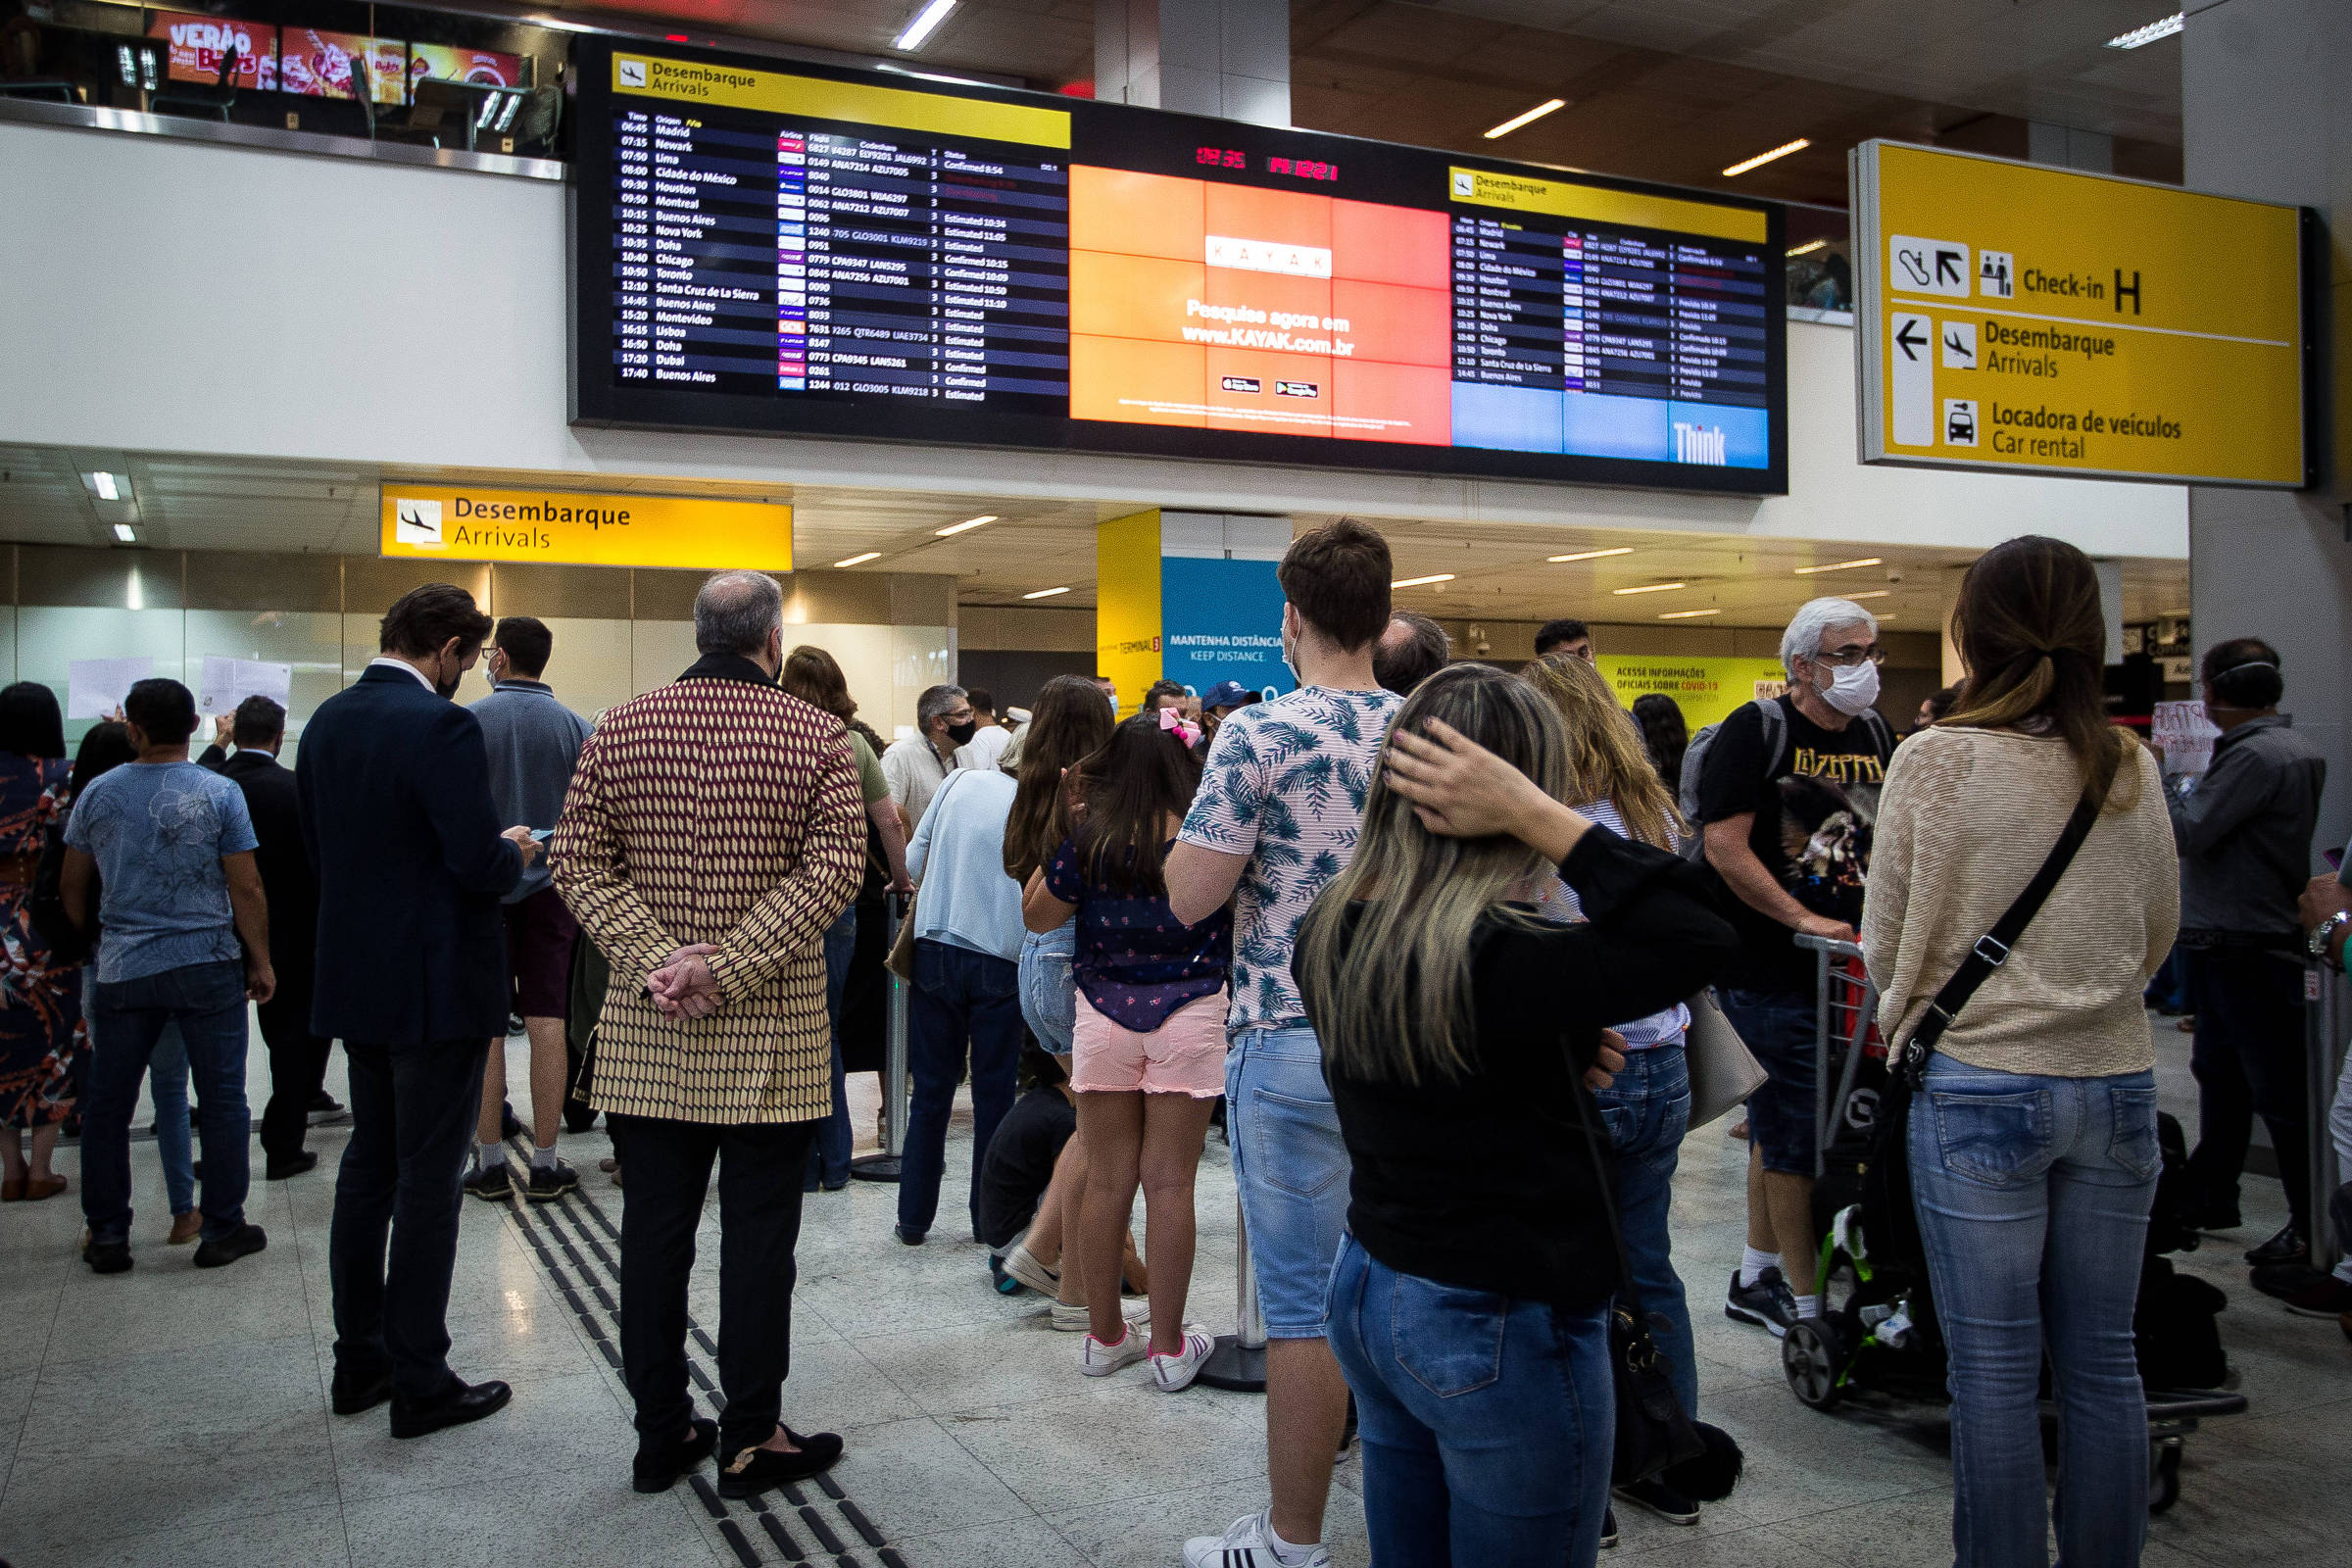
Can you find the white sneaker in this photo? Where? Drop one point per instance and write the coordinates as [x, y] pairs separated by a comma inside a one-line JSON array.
[[1022, 1264], [1099, 1360], [1068, 1319], [1173, 1374], [1250, 1544]]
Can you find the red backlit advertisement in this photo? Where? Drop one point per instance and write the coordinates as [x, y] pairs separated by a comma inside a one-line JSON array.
[[318, 65], [445, 64], [198, 43]]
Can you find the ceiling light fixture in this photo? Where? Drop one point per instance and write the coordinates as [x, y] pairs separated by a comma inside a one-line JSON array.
[[1422, 582], [1761, 159], [2162, 27], [1808, 247], [1650, 588], [966, 525], [106, 486], [858, 559], [2172, 611], [1875, 593], [1687, 614], [926, 23], [1593, 554], [1528, 119], [1046, 593], [124, 532], [1842, 566]]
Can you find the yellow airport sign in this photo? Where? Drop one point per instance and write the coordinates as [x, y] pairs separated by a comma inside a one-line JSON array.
[[1604, 204], [821, 98], [2020, 317], [427, 523]]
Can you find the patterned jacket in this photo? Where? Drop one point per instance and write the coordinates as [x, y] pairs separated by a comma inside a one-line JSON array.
[[716, 810]]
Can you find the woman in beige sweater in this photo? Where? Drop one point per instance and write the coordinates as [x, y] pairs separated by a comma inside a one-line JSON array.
[[2033, 1155]]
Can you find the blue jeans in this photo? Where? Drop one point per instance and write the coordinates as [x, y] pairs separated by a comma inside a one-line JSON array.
[[1489, 1424], [1782, 1028], [2033, 1195], [1290, 1168], [958, 993], [1647, 1110], [167, 1092], [207, 1002], [1049, 993], [829, 1157]]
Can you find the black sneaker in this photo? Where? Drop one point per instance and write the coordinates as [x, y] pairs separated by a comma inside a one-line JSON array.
[[2287, 1247], [491, 1184], [1767, 1303], [551, 1182], [279, 1170], [1608, 1527], [1661, 1499], [107, 1257], [327, 1110], [908, 1238], [658, 1470], [748, 1472], [243, 1241]]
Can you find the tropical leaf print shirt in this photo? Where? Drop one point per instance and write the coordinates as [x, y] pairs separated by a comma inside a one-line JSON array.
[[1285, 784]]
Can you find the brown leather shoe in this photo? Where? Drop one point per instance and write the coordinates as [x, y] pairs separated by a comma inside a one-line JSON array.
[[185, 1228]]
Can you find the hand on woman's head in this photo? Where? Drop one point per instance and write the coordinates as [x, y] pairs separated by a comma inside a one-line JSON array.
[[1459, 789]]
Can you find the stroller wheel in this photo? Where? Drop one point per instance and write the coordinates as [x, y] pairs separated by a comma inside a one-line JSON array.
[[1810, 1361]]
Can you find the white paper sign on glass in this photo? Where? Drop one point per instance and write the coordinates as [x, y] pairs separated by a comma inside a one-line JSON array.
[[229, 681], [96, 687]]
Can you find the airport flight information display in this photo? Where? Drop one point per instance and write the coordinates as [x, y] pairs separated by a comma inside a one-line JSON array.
[[820, 252]]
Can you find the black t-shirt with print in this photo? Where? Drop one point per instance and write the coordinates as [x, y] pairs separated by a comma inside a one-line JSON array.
[[1816, 804]]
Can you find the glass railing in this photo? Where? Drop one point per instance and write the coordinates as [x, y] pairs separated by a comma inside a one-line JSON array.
[[335, 68]]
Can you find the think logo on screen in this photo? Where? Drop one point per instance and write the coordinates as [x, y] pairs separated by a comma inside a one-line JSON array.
[[416, 522], [1699, 443]]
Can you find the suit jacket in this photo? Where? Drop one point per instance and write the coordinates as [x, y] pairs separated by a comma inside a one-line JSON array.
[[394, 800], [718, 809], [273, 803]]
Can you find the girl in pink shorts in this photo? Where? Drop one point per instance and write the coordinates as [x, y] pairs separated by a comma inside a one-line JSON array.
[[1149, 1057]]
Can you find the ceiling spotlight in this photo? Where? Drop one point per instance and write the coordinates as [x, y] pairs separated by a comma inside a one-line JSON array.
[[107, 487], [1875, 593], [1687, 614], [124, 532], [860, 560], [2172, 611], [1593, 554], [1650, 588], [1422, 582], [1842, 565], [1528, 119], [1808, 247], [2162, 27], [966, 525], [926, 23], [1761, 159], [1046, 593]]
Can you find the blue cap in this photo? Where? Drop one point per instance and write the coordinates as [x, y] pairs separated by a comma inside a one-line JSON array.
[[1225, 694]]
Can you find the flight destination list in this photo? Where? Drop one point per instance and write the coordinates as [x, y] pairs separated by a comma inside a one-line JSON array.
[[752, 256], [1610, 311]]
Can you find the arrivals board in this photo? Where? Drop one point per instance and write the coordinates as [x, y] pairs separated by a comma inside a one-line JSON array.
[[2019, 317], [813, 251]]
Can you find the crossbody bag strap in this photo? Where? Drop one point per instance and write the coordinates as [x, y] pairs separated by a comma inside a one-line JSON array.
[[1991, 949], [1608, 1193]]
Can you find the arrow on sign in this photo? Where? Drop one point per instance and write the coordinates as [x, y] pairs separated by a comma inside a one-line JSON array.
[[1909, 338], [1948, 269]]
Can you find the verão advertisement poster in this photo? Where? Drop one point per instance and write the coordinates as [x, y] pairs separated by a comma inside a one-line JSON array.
[[199, 44]]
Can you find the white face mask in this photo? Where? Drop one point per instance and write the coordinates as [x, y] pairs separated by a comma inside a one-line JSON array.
[[1289, 652], [1852, 688]]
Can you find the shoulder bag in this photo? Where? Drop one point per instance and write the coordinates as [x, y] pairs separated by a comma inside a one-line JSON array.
[[1724, 1072], [901, 960]]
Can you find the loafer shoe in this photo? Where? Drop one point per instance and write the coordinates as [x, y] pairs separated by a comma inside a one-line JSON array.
[[107, 1257], [243, 1241], [658, 1470], [277, 1171], [351, 1396], [2287, 1247], [466, 1402], [749, 1472]]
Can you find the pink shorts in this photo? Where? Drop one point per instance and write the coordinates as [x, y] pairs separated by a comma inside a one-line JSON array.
[[1184, 1056]]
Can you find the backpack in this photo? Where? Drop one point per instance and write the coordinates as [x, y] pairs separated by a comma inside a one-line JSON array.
[[69, 944], [1776, 735]]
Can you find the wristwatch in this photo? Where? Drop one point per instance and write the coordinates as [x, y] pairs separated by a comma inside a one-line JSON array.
[[2317, 943]]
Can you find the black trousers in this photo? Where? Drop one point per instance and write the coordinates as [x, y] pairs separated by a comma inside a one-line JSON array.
[[297, 1069], [668, 1165], [2249, 1060], [413, 1110]]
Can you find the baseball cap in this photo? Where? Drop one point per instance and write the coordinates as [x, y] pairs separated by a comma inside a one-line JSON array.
[[1225, 694]]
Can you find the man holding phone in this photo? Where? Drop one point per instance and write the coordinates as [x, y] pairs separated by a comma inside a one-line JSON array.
[[534, 744]]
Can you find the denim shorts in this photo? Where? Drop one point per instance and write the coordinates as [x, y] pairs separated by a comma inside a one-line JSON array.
[[1048, 996], [1291, 1168], [1780, 1028]]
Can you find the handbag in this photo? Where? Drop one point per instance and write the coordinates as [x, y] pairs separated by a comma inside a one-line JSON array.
[[1723, 1071], [901, 960], [1654, 1431]]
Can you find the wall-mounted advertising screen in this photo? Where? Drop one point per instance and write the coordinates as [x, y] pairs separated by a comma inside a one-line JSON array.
[[813, 251]]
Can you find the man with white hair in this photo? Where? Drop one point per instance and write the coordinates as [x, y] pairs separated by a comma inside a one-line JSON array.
[[1787, 793]]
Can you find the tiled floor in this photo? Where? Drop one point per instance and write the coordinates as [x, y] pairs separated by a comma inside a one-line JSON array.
[[174, 1417]]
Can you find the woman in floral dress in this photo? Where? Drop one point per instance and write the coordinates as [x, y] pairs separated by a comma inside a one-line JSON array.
[[41, 1031]]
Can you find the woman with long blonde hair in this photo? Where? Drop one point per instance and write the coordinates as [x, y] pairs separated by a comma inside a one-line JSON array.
[[1469, 1304], [1647, 1109]]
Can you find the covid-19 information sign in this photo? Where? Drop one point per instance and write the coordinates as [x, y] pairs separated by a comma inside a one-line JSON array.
[[2020, 317]]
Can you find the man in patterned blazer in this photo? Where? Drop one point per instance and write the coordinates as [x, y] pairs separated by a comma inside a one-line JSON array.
[[714, 831]]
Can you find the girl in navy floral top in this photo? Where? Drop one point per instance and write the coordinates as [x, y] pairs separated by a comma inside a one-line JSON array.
[[1149, 1042]]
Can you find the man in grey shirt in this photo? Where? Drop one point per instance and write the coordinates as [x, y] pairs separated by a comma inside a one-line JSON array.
[[2244, 833], [534, 744]]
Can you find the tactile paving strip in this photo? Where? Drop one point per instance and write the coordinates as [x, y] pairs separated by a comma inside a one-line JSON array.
[[565, 1236]]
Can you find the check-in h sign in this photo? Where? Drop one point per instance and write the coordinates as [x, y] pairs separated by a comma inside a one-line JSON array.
[[2016, 316]]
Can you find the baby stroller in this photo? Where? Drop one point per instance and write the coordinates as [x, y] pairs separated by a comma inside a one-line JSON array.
[[1877, 1334]]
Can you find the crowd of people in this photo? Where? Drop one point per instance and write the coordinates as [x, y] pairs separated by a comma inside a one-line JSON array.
[[1433, 940]]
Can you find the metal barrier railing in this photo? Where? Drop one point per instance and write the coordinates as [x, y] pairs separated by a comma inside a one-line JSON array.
[[1239, 1362], [885, 1166]]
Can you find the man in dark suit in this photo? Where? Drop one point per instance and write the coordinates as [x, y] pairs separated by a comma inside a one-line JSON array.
[[297, 1057], [412, 976]]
